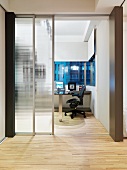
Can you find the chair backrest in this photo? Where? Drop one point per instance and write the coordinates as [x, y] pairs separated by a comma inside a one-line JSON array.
[[81, 93]]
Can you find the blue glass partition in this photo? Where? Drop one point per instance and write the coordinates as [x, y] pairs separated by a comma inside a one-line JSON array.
[[90, 73], [69, 71], [74, 72]]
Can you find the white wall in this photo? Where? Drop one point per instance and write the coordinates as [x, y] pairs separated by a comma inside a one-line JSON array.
[[91, 45], [102, 74], [92, 104], [2, 73], [71, 51]]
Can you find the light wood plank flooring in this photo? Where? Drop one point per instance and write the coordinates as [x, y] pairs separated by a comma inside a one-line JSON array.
[[86, 148]]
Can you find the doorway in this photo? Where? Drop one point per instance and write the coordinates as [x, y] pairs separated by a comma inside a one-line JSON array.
[[34, 97]]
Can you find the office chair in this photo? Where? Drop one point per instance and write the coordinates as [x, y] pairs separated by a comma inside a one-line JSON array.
[[74, 102]]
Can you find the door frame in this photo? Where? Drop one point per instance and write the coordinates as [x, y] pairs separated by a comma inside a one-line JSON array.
[[53, 45], [54, 18]]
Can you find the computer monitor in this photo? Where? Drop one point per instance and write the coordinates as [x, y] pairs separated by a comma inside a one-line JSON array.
[[59, 85], [72, 86]]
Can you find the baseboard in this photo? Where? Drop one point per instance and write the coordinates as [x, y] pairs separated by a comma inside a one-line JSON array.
[[124, 137]]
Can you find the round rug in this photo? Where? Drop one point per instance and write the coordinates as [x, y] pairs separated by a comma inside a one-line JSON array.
[[67, 121]]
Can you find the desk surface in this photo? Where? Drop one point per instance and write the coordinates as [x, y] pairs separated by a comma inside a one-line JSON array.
[[71, 93]]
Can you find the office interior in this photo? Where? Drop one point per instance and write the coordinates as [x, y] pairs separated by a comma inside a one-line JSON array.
[[44, 68], [71, 62]]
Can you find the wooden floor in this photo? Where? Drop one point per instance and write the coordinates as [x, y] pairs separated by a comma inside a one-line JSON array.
[[86, 148]]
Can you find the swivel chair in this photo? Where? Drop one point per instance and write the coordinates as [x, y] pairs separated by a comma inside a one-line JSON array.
[[74, 102]]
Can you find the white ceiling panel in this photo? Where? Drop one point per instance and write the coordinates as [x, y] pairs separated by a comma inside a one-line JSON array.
[[71, 27], [74, 31]]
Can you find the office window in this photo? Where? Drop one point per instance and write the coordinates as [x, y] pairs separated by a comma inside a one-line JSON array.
[[74, 71], [69, 71], [90, 73]]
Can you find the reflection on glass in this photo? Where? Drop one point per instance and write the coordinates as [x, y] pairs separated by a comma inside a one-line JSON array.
[[23, 75], [43, 75]]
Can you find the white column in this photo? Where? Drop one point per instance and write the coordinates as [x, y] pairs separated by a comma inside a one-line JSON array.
[[2, 73]]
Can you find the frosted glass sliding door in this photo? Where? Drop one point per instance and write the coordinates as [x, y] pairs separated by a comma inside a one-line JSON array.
[[43, 75], [24, 75], [33, 75]]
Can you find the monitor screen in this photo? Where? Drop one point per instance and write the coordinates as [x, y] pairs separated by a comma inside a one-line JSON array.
[[72, 86], [59, 85]]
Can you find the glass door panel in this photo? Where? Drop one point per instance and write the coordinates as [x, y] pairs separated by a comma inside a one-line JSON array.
[[43, 75], [24, 75]]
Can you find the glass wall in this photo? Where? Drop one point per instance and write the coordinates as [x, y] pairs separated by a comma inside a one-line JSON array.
[[24, 75], [43, 75], [90, 73]]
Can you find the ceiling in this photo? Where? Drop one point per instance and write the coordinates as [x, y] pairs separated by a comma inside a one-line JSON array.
[[106, 6], [71, 27], [79, 29], [71, 30], [60, 6], [74, 30], [66, 30]]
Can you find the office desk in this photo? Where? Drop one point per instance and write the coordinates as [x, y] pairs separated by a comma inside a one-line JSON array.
[[61, 94]]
